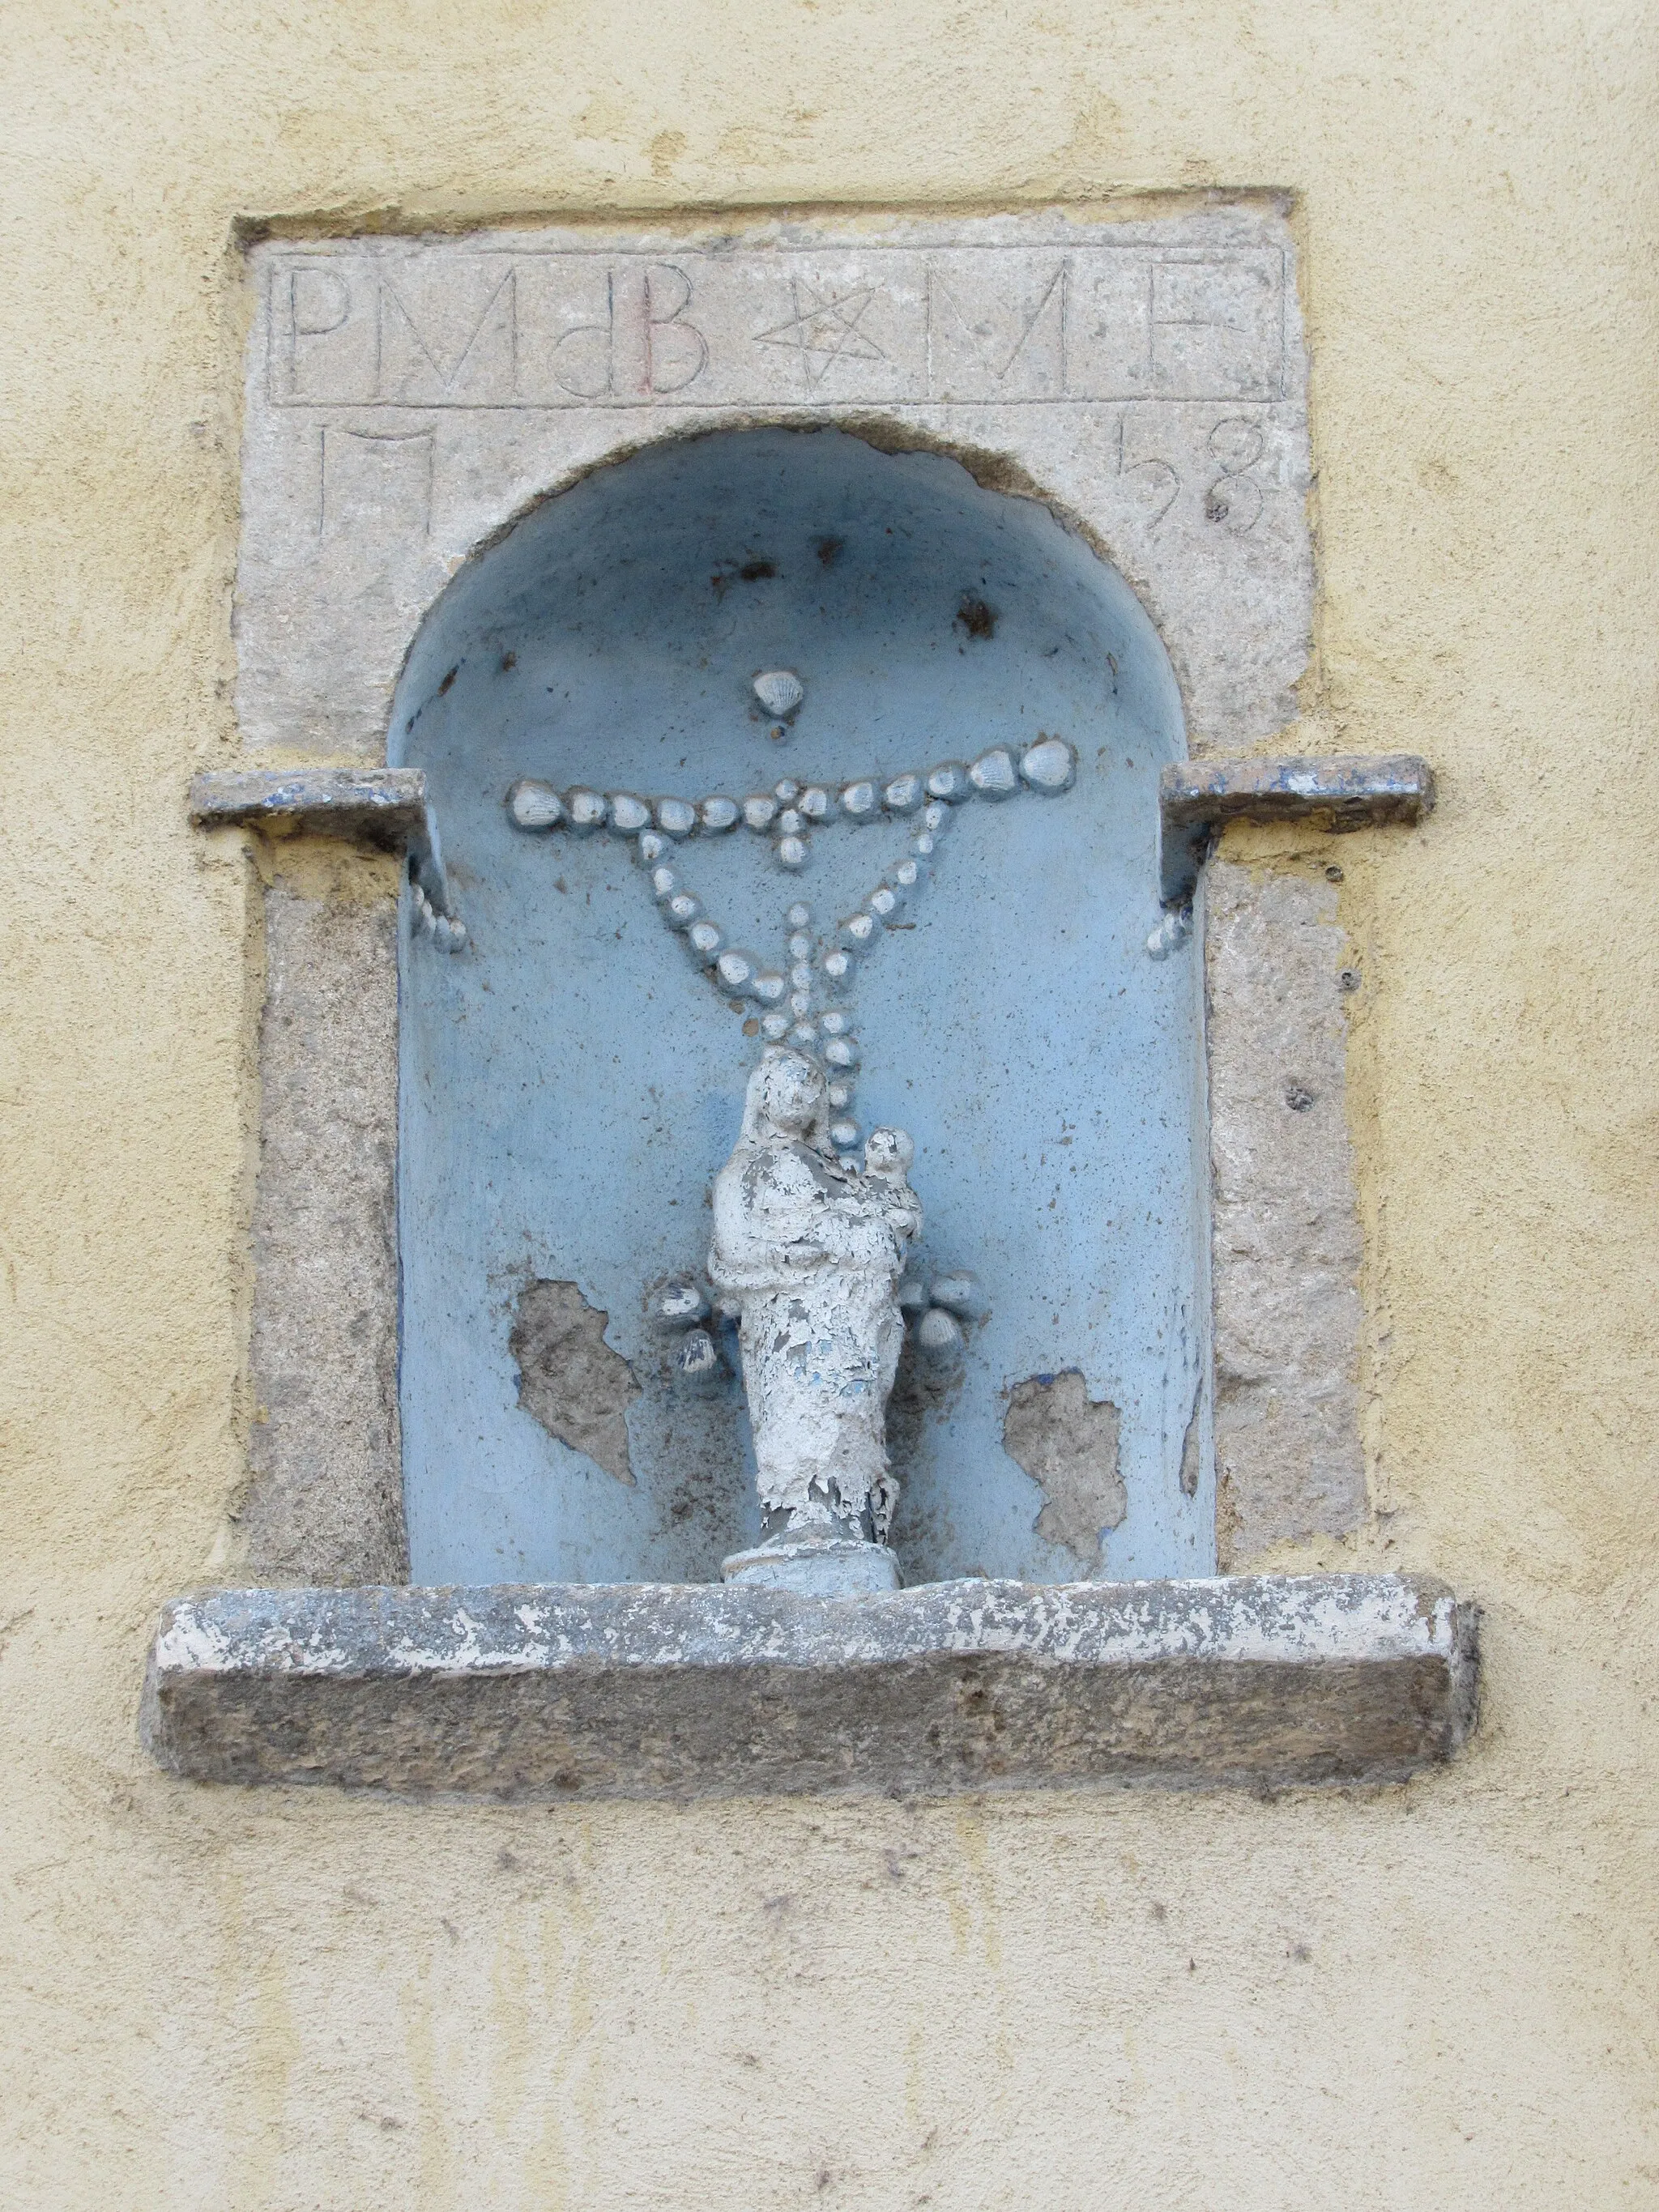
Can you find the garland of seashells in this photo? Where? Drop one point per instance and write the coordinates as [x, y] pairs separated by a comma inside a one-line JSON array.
[[790, 1001], [937, 1310]]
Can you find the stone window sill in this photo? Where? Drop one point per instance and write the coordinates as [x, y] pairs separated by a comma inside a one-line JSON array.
[[678, 1691]]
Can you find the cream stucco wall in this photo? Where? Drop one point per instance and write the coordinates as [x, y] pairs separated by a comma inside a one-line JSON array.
[[1444, 1992]]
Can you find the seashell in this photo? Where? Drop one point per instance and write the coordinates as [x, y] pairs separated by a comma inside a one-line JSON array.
[[860, 800], [719, 812], [681, 911], [913, 1298], [903, 794], [843, 1134], [840, 1095], [532, 805], [1049, 766], [798, 915], [792, 852], [816, 803], [779, 690], [735, 970], [697, 1362], [679, 1304], [773, 1026], [959, 1293], [586, 809], [993, 774], [760, 810], [704, 938], [768, 986], [650, 848], [676, 817], [629, 814], [939, 1337], [949, 781]]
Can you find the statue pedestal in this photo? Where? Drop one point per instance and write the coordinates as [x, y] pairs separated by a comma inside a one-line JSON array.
[[815, 1566]]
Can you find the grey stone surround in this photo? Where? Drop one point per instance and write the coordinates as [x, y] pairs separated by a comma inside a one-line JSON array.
[[405, 399]]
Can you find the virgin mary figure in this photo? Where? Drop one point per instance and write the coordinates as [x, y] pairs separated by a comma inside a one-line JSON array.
[[809, 1250]]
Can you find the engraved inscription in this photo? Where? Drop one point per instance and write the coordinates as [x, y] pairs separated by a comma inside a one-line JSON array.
[[1234, 499], [967, 325], [825, 329]]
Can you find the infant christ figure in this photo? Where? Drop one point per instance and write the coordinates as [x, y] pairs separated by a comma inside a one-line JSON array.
[[810, 1250]]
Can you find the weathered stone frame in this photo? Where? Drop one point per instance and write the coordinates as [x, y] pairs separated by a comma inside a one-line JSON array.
[[1269, 1682]]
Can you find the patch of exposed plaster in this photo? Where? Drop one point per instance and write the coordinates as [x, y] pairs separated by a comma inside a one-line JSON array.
[[1068, 1442], [569, 1379]]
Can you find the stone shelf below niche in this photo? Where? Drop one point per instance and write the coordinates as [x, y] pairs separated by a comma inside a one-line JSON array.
[[652, 1690]]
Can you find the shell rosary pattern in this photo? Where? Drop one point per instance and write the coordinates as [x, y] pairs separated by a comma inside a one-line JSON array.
[[939, 1310], [802, 1001]]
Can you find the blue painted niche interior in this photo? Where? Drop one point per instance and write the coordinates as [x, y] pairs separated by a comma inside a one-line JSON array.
[[570, 1082]]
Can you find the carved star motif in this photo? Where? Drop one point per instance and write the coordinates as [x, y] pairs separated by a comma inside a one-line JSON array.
[[825, 329]]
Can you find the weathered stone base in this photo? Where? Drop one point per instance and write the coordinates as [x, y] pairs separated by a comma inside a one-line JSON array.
[[667, 1690]]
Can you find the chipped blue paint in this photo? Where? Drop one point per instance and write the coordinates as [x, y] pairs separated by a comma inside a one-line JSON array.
[[570, 1082]]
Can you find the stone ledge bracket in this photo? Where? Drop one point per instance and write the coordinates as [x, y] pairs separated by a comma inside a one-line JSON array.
[[1350, 791], [660, 1691], [384, 808]]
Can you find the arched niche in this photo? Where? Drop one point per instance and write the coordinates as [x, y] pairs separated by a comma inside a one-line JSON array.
[[570, 1081]]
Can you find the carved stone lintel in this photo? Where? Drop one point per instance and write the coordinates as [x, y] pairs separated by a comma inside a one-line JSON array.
[[1353, 791]]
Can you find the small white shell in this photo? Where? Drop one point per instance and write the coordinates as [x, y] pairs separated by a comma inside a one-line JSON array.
[[768, 986], [843, 1135], [993, 774], [760, 810], [534, 806], [735, 969], [705, 939], [779, 690], [629, 814], [586, 809], [903, 794], [792, 852], [676, 817], [1049, 766], [958, 1293], [718, 813], [773, 1026], [798, 915], [939, 1337], [860, 800], [679, 1304], [949, 781]]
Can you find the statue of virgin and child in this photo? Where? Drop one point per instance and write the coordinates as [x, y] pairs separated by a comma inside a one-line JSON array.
[[809, 1247]]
